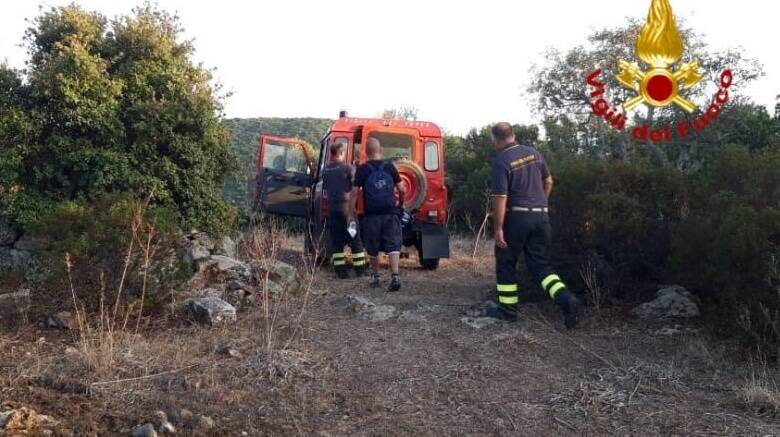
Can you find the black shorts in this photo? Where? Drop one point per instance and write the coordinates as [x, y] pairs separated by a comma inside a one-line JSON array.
[[382, 233]]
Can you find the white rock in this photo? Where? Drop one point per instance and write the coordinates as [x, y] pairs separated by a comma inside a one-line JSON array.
[[146, 430], [478, 322], [367, 310], [282, 277], [212, 311], [378, 313], [233, 269], [671, 302]]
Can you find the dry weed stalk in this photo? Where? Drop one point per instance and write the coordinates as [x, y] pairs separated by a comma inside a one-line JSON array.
[[479, 233], [99, 341], [267, 239], [596, 294]]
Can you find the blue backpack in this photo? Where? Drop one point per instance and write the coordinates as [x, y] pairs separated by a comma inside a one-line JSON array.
[[379, 190]]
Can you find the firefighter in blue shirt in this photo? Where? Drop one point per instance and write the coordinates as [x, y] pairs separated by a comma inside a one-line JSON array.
[[520, 186]]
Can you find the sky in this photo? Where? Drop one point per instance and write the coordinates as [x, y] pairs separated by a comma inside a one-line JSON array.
[[462, 64]]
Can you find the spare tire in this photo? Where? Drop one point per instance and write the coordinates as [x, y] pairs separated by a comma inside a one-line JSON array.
[[416, 184]]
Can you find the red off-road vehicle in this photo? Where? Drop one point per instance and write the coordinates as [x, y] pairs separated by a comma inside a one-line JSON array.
[[289, 179]]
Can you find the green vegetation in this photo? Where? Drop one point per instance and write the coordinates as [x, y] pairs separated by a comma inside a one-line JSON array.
[[111, 107]]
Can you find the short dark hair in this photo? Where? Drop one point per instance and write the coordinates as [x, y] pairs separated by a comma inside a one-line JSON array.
[[502, 131], [336, 148]]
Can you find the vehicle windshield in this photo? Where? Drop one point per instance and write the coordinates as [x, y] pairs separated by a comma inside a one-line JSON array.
[[394, 145]]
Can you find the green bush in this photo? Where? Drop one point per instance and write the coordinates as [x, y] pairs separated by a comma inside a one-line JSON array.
[[622, 211], [103, 246], [112, 106], [728, 248]]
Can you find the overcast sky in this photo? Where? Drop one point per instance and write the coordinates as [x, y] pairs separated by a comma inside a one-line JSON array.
[[462, 64]]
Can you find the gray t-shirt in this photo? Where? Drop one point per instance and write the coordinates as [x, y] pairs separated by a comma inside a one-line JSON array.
[[519, 173]]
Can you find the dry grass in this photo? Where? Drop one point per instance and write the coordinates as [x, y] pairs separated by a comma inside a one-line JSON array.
[[759, 391], [596, 293], [302, 366]]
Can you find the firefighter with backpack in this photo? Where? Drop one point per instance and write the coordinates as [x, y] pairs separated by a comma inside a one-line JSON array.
[[337, 182], [379, 179]]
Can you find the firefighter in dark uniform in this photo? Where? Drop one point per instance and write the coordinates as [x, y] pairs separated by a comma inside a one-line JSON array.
[[520, 186], [337, 180]]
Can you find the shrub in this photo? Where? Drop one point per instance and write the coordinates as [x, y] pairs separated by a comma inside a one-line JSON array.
[[115, 247], [729, 245]]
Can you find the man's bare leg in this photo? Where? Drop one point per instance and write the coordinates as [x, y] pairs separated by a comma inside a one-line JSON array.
[[373, 262], [395, 261], [395, 281]]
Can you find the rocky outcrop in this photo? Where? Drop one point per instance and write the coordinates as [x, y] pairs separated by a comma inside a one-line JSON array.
[[220, 275], [199, 247], [671, 302], [276, 278]]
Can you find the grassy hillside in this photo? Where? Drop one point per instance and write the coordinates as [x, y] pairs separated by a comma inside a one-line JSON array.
[[244, 139]]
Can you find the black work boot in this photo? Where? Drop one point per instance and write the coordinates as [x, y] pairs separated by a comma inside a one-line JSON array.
[[341, 272], [395, 283], [360, 271], [570, 307], [494, 310], [506, 313]]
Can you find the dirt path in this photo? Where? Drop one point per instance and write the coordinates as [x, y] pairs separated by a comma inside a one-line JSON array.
[[424, 372]]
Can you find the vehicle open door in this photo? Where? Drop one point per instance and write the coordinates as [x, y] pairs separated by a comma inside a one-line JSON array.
[[284, 171]]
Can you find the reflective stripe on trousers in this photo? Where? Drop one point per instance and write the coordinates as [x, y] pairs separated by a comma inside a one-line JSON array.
[[507, 294], [359, 259], [338, 259], [553, 284]]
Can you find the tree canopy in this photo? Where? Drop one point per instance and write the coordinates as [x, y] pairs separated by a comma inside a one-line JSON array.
[[559, 92], [112, 106]]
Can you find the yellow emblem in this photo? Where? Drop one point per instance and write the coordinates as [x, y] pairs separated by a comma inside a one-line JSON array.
[[660, 46]]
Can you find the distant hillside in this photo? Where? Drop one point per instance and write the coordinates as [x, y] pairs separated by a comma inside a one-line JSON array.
[[245, 135]]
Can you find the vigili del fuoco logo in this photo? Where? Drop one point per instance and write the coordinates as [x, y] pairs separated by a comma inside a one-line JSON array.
[[663, 83]]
